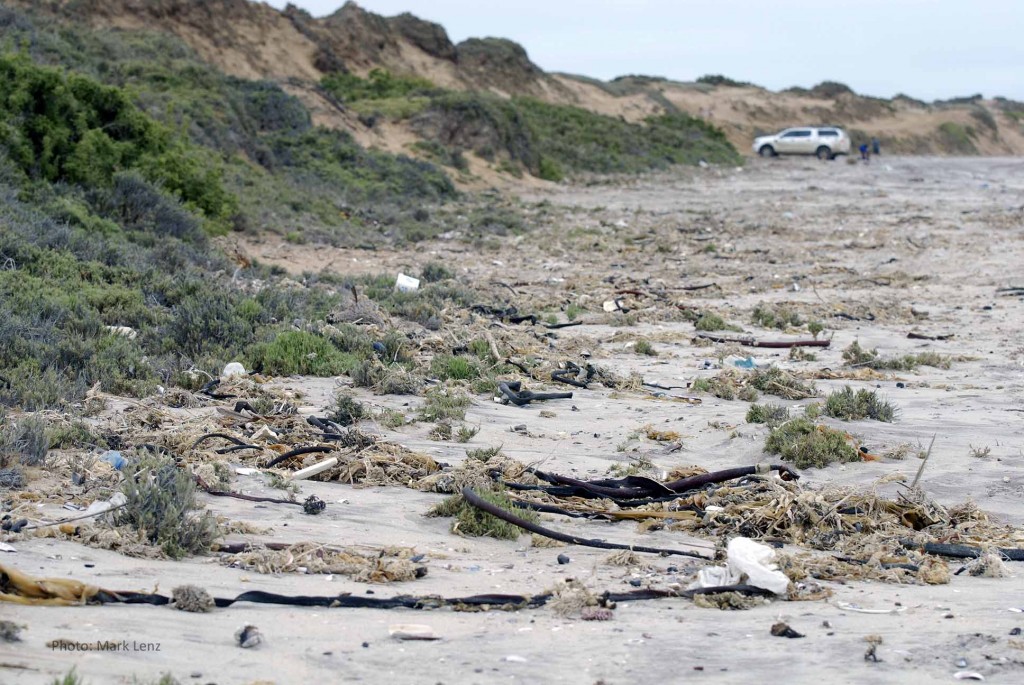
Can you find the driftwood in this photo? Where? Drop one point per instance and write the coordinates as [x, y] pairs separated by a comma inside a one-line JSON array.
[[772, 344], [962, 551]]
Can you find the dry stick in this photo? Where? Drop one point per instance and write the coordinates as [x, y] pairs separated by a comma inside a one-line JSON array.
[[474, 499], [250, 498], [924, 461], [772, 344], [74, 518], [296, 452]]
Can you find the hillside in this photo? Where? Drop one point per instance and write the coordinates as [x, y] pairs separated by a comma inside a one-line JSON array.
[[254, 41]]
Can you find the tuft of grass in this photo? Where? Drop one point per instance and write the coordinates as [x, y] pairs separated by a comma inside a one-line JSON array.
[[722, 386], [855, 355], [800, 354], [24, 442], [161, 507], [466, 433], [390, 379], [391, 418], [483, 453], [849, 405], [775, 381], [815, 328], [444, 404], [980, 452], [71, 435], [435, 271], [775, 317], [442, 431], [644, 347], [769, 414], [69, 678], [347, 410], [475, 523], [448, 367], [572, 311], [710, 322], [806, 444], [813, 410]]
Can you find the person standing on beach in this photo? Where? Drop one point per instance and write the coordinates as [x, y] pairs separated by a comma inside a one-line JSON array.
[[876, 147], [864, 152]]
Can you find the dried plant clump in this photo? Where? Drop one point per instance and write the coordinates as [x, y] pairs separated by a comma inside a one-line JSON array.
[[23, 441], [444, 404], [192, 598], [806, 444], [161, 507], [863, 404], [391, 379], [775, 381], [346, 410]]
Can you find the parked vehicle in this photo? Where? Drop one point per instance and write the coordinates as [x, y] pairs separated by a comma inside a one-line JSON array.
[[824, 142]]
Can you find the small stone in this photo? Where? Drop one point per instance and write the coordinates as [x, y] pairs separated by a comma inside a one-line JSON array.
[[901, 385], [672, 569], [520, 428], [1015, 631], [248, 637], [10, 631], [961, 663], [563, 559], [636, 582]]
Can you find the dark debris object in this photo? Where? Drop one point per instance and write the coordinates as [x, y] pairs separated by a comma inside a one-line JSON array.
[[313, 505], [781, 629]]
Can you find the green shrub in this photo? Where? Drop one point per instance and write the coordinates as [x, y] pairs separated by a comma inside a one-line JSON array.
[[444, 404], [806, 444], [645, 347], [451, 367], [298, 352], [770, 414], [476, 523], [347, 410], [161, 506], [849, 405], [23, 441]]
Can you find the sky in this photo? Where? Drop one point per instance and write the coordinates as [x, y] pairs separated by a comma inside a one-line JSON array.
[[928, 49]]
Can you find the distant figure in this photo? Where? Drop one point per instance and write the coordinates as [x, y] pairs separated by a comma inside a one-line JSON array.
[[876, 147], [864, 152]]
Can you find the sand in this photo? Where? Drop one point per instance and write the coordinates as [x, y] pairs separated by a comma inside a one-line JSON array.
[[914, 243]]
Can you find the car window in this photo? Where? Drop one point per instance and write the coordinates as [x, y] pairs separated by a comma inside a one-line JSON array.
[[828, 132], [803, 133]]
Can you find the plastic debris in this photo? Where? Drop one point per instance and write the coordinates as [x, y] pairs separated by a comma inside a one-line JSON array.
[[745, 558], [232, 370], [407, 284], [412, 631], [249, 636], [100, 506], [114, 458]]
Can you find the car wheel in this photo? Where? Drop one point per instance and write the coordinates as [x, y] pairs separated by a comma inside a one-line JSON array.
[[766, 151], [824, 153]]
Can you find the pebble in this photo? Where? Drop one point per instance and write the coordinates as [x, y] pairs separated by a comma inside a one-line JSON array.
[[636, 582], [563, 559], [901, 385]]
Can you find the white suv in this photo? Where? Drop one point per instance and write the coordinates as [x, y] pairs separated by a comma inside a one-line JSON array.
[[824, 142]]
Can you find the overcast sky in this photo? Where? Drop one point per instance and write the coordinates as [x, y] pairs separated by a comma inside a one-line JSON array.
[[929, 49]]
